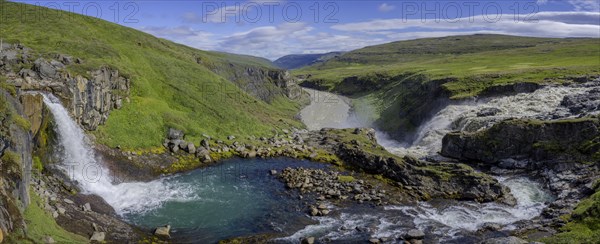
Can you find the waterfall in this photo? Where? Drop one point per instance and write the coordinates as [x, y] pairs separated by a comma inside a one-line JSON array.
[[471, 116], [80, 162], [448, 219]]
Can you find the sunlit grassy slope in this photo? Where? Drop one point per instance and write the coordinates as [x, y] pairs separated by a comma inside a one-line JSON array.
[[172, 85], [477, 61]]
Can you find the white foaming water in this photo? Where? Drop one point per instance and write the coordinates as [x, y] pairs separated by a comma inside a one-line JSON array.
[[470, 216], [463, 117], [81, 164], [445, 222]]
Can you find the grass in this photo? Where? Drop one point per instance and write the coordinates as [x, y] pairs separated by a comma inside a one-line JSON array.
[[476, 61], [345, 178], [584, 223], [41, 224], [394, 84], [172, 85]]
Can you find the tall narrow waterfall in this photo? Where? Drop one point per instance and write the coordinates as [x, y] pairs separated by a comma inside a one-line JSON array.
[[81, 163]]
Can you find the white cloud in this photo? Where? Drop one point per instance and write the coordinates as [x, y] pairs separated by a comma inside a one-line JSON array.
[[384, 7], [585, 5], [276, 41], [556, 24], [273, 41], [185, 35]]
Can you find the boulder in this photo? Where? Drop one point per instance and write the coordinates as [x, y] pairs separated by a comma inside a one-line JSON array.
[[314, 211], [308, 240], [45, 69], [206, 158], [174, 134], [415, 234], [374, 241], [98, 236], [163, 231], [86, 207], [69, 201], [191, 148], [205, 143]]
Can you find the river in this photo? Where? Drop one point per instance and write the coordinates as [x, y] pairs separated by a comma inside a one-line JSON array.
[[239, 197]]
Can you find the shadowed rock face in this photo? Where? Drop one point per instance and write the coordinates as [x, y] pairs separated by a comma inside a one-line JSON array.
[[263, 83], [559, 141], [15, 171]]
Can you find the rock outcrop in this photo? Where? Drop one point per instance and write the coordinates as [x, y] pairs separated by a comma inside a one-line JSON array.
[[571, 140], [564, 154], [358, 149], [261, 82], [15, 163], [89, 97]]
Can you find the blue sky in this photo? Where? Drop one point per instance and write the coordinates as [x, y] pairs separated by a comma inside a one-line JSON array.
[[274, 28]]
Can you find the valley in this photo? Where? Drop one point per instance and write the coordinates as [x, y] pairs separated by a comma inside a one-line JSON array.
[[112, 135]]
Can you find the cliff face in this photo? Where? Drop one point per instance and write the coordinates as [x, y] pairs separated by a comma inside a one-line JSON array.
[[573, 140], [89, 99], [15, 163], [261, 82]]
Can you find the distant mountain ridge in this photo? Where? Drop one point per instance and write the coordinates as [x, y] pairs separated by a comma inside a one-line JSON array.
[[296, 61]]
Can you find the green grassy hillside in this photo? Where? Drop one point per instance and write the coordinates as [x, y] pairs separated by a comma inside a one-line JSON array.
[[172, 85], [476, 61]]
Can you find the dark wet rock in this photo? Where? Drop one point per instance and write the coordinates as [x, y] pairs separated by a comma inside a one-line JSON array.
[[504, 240], [491, 227], [486, 112], [510, 89], [205, 143], [582, 103], [517, 140]]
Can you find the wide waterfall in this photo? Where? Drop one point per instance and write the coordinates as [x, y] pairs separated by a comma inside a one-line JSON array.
[[80, 162], [477, 115]]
